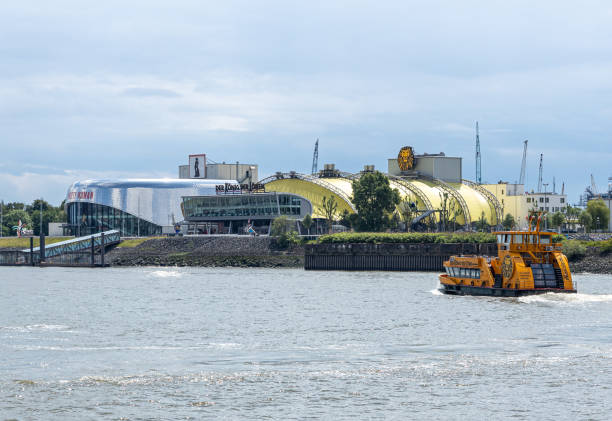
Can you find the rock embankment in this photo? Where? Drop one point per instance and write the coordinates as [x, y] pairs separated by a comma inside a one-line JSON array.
[[207, 251], [593, 262]]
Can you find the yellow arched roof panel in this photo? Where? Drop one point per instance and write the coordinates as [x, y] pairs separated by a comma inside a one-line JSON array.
[[476, 202], [341, 188], [311, 191], [343, 184]]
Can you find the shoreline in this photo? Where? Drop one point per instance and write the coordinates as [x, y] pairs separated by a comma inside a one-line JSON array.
[[263, 252]]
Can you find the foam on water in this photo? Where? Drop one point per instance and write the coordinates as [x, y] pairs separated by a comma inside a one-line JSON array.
[[166, 274], [34, 328], [552, 298], [436, 290]]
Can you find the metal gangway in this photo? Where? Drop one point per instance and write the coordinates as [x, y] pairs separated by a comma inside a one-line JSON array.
[[79, 244]]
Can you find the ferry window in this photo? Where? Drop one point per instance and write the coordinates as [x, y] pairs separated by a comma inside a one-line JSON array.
[[499, 238], [477, 274], [534, 239], [506, 238], [461, 272], [545, 239], [455, 272], [518, 239]]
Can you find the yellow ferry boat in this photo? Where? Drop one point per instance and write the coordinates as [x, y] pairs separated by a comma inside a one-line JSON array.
[[527, 262]]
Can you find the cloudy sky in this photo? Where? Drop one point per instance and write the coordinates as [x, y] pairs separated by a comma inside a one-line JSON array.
[[105, 89]]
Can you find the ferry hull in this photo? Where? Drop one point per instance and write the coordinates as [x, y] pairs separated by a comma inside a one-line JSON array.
[[498, 292]]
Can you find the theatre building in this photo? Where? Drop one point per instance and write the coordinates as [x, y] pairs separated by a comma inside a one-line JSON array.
[[135, 207], [146, 207]]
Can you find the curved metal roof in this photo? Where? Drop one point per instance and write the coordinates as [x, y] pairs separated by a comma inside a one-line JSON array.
[[162, 183], [427, 193], [153, 200]]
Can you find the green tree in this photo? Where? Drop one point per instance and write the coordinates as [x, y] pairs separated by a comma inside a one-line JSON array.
[[307, 222], [481, 224], [444, 205], [374, 200], [281, 225], [557, 220], [14, 206], [12, 218], [36, 204], [283, 229], [348, 219], [585, 219], [330, 208], [508, 223], [407, 210], [455, 211], [599, 212]]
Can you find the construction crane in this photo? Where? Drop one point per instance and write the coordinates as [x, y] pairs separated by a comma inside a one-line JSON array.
[[540, 174], [523, 164], [315, 158], [478, 168], [593, 186]]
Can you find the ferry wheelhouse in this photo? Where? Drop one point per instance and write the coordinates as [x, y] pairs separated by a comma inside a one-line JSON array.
[[527, 262]]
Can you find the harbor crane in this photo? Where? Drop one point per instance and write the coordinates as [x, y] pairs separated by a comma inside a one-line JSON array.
[[478, 167], [593, 186], [523, 164], [315, 158], [540, 174]]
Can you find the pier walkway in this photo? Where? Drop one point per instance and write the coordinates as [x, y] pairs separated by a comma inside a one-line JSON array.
[[82, 251], [78, 244]]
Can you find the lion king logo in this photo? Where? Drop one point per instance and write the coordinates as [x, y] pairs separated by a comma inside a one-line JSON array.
[[405, 158], [507, 266]]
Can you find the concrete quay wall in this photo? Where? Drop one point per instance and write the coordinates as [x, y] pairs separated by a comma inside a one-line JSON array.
[[389, 257]]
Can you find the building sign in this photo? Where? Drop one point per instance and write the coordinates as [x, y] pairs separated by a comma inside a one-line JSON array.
[[229, 188], [80, 195], [197, 166], [405, 158]]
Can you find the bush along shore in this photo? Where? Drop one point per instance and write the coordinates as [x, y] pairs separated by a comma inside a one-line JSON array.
[[589, 256], [584, 255], [207, 252]]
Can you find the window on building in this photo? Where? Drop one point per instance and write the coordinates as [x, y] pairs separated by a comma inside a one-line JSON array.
[[529, 200], [562, 200], [541, 200]]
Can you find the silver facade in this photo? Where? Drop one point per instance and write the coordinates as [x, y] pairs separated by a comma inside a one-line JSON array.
[[153, 200]]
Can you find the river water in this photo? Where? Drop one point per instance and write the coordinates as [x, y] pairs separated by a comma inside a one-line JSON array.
[[194, 343]]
